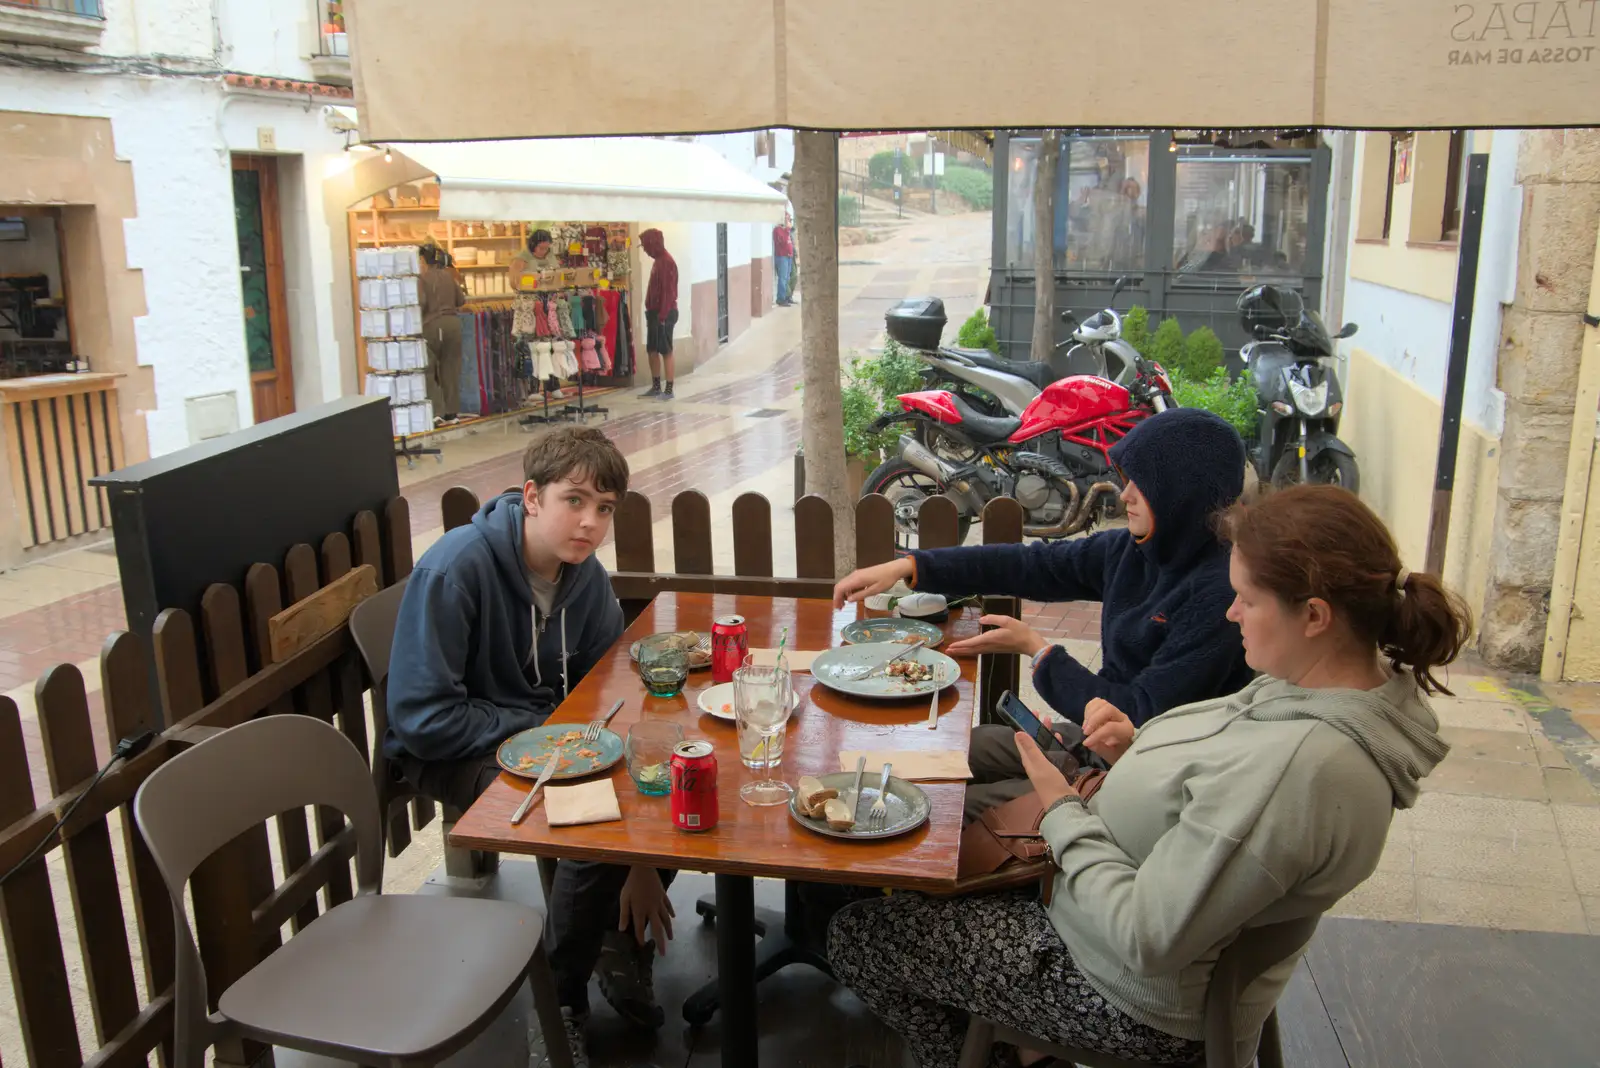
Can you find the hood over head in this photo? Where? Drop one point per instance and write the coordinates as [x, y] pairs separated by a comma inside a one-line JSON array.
[[1189, 464]]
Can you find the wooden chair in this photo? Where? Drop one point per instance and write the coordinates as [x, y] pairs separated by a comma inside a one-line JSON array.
[[1242, 963], [345, 986]]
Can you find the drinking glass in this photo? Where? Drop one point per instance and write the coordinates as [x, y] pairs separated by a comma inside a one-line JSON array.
[[663, 664], [761, 705], [650, 746]]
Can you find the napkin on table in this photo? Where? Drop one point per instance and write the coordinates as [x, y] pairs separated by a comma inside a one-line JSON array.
[[589, 802], [799, 659], [912, 765]]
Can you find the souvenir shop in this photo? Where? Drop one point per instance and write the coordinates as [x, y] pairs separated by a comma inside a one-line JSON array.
[[550, 339]]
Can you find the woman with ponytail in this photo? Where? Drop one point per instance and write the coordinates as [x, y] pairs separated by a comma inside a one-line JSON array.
[[1267, 805]]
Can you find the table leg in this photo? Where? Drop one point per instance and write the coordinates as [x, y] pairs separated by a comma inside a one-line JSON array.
[[736, 969]]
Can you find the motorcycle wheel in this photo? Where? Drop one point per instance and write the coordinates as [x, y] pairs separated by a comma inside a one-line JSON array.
[[1327, 468], [907, 487]]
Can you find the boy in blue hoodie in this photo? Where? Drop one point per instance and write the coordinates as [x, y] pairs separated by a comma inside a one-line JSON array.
[[500, 619], [1162, 584]]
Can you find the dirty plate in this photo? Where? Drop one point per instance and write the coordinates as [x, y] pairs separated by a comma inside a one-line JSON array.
[[698, 642], [527, 753], [718, 701], [898, 631], [842, 669], [908, 806]]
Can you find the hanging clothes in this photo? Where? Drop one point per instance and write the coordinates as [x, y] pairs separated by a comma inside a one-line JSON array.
[[525, 320]]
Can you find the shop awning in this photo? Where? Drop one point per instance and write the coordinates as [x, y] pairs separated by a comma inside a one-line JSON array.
[[622, 179], [493, 68]]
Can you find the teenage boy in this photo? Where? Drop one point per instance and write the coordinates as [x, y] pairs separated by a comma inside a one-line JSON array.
[[500, 619]]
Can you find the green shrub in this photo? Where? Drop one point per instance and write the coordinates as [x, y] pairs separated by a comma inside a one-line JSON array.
[[849, 210], [976, 333], [880, 168], [1234, 400], [1202, 354], [1136, 329], [972, 184], [873, 384], [1166, 347]]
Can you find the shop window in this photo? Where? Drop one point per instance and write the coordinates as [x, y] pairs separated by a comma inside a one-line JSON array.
[[1102, 193], [1377, 187], [1241, 216], [331, 19]]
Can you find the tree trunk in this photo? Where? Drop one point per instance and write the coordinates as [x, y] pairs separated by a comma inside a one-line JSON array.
[[1044, 247], [814, 190]]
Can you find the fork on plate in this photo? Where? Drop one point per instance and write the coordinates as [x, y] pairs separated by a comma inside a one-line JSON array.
[[878, 814], [591, 733]]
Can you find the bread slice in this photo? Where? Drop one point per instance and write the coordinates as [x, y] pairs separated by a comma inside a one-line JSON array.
[[803, 808], [813, 793], [838, 814]]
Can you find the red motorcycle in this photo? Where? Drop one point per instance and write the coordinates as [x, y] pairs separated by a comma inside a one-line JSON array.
[[1054, 459]]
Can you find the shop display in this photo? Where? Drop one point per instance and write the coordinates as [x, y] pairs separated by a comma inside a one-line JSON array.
[[391, 327]]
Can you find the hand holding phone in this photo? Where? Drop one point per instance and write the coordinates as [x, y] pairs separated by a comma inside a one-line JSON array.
[[1021, 717]]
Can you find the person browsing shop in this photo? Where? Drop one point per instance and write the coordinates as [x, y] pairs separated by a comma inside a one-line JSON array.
[[539, 255], [500, 619], [442, 296], [1264, 806], [660, 312], [1162, 584]]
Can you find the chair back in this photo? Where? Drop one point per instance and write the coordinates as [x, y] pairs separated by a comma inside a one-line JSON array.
[[1244, 961], [372, 625], [207, 796]]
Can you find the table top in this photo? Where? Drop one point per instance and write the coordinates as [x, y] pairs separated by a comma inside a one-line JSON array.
[[749, 840]]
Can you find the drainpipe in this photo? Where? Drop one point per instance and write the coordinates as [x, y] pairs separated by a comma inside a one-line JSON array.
[[1575, 499]]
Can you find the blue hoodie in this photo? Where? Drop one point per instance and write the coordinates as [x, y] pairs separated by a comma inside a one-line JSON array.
[[1165, 638], [464, 672]]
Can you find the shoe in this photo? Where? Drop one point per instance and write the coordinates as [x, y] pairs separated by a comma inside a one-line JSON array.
[[666, 394], [653, 391], [626, 971], [572, 1030]]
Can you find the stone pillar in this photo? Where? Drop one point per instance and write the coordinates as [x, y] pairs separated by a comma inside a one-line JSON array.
[[1541, 340]]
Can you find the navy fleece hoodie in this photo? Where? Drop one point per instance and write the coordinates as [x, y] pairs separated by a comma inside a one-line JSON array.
[[1165, 638], [465, 671]]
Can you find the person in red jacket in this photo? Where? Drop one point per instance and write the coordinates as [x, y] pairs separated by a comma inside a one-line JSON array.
[[783, 261], [660, 312]]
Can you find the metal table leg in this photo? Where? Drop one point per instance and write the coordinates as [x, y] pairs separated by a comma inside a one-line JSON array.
[[736, 969]]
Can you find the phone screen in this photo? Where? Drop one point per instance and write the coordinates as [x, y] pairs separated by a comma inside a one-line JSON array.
[[1023, 719]]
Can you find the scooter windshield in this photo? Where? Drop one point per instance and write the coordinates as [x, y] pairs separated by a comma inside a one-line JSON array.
[[1312, 334]]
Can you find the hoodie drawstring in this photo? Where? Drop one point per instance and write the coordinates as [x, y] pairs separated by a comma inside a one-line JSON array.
[[564, 654]]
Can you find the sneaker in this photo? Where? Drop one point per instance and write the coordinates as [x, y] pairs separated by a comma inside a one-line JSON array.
[[653, 391], [666, 394], [572, 1029], [556, 394], [626, 971]]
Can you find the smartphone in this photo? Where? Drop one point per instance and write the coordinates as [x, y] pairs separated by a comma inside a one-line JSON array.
[[1013, 711]]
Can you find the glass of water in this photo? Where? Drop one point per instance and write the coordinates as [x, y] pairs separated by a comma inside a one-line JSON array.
[[663, 664], [762, 701]]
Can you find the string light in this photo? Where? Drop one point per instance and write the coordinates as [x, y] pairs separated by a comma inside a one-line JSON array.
[[388, 157]]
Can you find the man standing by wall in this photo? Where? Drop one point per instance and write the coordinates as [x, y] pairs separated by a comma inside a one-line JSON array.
[[783, 261], [660, 312]]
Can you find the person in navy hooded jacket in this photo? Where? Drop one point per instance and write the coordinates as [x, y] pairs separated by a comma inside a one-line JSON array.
[[499, 621], [1162, 584]]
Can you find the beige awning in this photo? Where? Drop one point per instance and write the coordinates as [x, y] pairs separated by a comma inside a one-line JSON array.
[[497, 68], [620, 179]]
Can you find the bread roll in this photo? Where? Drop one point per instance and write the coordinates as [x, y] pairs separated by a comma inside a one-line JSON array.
[[838, 814], [813, 793], [803, 808]]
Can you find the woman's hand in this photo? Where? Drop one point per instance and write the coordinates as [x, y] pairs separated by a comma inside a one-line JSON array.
[[1009, 636], [644, 905], [1107, 731], [863, 583], [1047, 780]]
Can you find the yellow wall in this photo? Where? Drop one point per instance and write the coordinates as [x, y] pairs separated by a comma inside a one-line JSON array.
[[1395, 262], [1394, 429], [1583, 638]]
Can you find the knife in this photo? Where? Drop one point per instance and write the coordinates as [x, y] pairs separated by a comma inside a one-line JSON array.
[[916, 643], [544, 777], [855, 791]]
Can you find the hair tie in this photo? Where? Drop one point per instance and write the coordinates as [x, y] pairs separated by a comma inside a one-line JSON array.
[[1402, 577]]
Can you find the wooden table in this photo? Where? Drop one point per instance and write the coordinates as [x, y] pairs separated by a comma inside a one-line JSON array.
[[748, 841]]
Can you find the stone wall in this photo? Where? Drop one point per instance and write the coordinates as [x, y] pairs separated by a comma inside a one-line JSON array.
[[1540, 345]]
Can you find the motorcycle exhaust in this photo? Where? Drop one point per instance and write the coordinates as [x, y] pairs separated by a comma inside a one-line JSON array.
[[1080, 510], [959, 489]]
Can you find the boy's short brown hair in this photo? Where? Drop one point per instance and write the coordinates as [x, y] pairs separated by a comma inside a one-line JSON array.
[[574, 452]]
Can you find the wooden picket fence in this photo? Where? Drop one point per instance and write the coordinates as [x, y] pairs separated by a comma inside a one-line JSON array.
[[223, 672]]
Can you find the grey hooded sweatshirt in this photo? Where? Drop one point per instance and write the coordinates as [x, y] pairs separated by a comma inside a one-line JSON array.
[[1267, 805]]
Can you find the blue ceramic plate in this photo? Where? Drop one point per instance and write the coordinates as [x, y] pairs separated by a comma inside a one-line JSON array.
[[899, 631], [527, 753], [844, 669]]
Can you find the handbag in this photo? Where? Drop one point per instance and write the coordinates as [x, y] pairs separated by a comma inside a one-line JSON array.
[[1008, 835]]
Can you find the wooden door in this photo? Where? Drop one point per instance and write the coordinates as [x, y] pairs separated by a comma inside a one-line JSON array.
[[266, 314]]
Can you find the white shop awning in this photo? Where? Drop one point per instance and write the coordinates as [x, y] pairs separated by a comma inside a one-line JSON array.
[[619, 179]]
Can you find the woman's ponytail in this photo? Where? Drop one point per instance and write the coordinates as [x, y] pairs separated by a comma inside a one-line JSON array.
[[1427, 628]]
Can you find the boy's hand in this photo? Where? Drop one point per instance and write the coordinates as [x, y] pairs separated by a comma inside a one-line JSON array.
[[644, 905], [1107, 731], [1009, 636], [863, 583]]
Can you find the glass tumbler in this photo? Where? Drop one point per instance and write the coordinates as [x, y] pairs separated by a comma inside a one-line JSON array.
[[650, 745], [663, 664], [762, 703]]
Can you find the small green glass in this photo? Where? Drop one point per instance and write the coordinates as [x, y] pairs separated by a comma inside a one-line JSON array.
[[650, 745], [663, 664]]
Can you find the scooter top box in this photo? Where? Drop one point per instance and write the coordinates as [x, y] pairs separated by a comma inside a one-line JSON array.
[[917, 322]]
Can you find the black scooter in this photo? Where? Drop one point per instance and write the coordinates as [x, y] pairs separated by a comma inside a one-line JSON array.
[[1297, 393]]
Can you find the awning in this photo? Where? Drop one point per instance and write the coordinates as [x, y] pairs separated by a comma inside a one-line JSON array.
[[623, 179], [493, 68]]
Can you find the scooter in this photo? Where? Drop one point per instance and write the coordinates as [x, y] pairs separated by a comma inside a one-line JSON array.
[[1053, 459], [1297, 391]]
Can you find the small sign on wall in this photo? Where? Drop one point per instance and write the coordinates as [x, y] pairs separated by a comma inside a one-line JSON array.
[[266, 139]]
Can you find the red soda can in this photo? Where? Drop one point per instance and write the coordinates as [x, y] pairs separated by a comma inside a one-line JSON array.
[[694, 786], [730, 643]]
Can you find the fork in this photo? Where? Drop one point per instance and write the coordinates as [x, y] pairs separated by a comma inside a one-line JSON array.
[[878, 814], [591, 733]]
